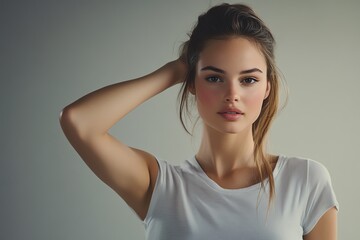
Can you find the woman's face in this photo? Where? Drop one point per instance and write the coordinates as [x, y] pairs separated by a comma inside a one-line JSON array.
[[230, 84]]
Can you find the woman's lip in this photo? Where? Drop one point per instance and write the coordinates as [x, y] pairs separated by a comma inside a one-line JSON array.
[[231, 113], [230, 116], [231, 110]]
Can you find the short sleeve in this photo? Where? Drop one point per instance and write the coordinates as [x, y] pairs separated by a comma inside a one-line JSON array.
[[320, 195], [158, 189]]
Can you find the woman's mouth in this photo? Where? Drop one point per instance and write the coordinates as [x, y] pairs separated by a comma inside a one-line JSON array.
[[231, 115]]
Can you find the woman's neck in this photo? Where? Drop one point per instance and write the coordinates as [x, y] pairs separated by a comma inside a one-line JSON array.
[[221, 153]]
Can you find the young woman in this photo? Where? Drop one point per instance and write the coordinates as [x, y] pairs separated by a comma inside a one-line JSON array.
[[232, 188]]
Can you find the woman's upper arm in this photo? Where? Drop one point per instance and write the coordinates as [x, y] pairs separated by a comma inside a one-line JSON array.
[[128, 171], [325, 228]]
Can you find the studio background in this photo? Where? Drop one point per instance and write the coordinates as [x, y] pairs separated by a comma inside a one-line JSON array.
[[54, 52]]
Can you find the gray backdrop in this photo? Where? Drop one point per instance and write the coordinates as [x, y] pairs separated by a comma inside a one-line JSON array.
[[53, 52]]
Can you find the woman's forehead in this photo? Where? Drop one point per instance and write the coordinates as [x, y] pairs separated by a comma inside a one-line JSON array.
[[231, 52]]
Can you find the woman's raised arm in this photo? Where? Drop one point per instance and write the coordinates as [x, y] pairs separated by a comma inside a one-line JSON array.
[[128, 171]]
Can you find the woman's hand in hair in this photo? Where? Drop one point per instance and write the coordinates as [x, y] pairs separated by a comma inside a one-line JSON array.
[[179, 70]]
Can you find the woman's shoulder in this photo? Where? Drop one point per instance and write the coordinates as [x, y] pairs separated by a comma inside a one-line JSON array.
[[304, 167], [298, 161], [169, 166]]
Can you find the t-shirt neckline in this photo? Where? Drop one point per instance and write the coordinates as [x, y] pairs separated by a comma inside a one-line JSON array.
[[217, 187]]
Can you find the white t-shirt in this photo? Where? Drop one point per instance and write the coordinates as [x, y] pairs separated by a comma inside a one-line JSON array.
[[186, 204]]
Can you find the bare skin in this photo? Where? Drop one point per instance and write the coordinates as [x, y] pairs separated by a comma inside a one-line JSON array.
[[132, 172], [226, 150], [326, 227], [128, 171]]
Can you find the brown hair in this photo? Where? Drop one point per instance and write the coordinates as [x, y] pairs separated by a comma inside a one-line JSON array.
[[223, 21]]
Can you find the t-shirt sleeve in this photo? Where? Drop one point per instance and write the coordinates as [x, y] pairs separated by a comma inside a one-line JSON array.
[[158, 189], [320, 195]]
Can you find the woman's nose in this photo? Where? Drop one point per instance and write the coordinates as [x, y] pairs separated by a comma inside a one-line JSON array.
[[232, 99], [232, 94]]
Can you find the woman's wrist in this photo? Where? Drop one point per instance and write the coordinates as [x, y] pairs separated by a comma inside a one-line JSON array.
[[178, 69]]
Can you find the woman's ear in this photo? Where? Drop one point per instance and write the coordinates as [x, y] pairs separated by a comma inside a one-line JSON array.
[[268, 87]]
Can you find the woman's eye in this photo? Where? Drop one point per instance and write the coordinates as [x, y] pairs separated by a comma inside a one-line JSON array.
[[213, 79], [249, 80]]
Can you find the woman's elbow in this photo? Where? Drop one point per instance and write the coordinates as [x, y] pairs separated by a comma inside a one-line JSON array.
[[68, 121]]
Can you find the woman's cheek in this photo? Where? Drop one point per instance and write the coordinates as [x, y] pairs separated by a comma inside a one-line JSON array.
[[206, 96], [253, 102]]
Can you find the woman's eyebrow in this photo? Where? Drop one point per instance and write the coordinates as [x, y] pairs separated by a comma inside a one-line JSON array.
[[212, 68], [215, 69], [251, 71]]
